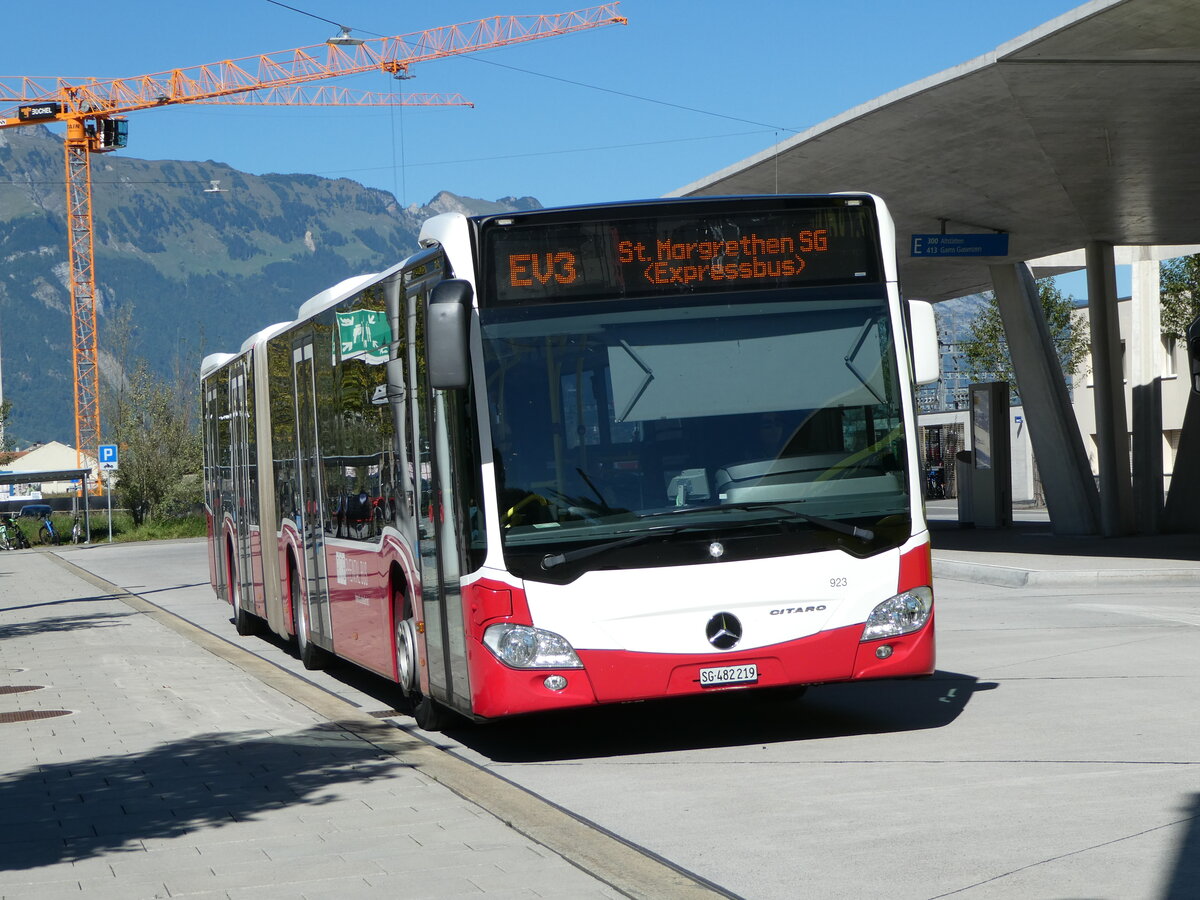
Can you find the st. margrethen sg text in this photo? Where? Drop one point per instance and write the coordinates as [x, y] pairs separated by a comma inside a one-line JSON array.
[[683, 262], [748, 257]]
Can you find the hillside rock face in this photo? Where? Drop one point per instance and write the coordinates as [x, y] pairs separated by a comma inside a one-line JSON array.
[[196, 254]]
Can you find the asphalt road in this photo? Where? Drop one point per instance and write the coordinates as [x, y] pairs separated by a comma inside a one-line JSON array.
[[1056, 752]]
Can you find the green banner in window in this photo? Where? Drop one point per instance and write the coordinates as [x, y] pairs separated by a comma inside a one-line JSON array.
[[365, 335]]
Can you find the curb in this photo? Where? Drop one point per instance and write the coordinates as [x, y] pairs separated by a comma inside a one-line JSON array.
[[1011, 576]]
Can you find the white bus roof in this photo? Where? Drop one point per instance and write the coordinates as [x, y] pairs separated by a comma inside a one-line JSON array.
[[269, 332], [214, 361], [335, 294]]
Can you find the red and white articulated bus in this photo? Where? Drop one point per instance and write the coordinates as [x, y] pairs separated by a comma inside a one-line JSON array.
[[590, 455]]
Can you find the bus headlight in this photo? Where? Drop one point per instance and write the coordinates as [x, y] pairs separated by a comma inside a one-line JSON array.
[[526, 647], [902, 614]]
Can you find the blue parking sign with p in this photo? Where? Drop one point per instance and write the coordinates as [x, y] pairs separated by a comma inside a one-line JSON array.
[[108, 456]]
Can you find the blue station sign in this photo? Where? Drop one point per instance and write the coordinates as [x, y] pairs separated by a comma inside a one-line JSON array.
[[959, 245]]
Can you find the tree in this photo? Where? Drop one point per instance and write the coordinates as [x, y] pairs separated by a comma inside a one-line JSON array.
[[6, 454], [1180, 291], [154, 420], [986, 352], [159, 442]]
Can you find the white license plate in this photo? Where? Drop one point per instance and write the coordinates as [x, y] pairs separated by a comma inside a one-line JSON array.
[[728, 675]]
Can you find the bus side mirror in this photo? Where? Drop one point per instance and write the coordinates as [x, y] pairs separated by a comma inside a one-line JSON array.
[[447, 330], [1193, 348], [926, 359]]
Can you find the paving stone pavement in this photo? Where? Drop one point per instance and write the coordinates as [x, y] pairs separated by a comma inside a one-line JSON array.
[[137, 764]]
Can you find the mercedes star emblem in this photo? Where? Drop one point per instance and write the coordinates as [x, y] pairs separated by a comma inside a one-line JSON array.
[[723, 630]]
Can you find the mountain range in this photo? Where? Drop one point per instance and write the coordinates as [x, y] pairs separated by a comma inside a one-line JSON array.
[[197, 255]]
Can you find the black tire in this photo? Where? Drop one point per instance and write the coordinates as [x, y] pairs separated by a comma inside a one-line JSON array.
[[431, 715], [46, 536], [245, 623], [311, 656]]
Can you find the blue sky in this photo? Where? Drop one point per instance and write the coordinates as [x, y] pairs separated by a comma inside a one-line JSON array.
[[687, 87]]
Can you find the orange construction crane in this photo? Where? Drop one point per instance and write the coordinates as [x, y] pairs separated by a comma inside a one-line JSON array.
[[95, 115]]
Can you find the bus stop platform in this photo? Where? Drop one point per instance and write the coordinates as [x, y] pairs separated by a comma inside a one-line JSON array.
[[146, 758], [1029, 554]]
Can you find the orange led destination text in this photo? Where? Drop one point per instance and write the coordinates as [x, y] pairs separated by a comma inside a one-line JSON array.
[[526, 269], [748, 257], [683, 262]]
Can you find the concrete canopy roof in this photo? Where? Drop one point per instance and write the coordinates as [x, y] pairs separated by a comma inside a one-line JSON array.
[[1084, 129]]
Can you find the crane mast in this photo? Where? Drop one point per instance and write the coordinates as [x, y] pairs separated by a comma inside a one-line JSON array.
[[94, 112], [81, 268]]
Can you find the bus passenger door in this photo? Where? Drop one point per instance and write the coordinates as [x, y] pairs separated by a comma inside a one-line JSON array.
[[212, 484], [441, 531], [242, 503], [316, 596]]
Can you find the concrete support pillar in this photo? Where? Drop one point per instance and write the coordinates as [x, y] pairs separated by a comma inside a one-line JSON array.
[[1182, 512], [1071, 497], [1112, 429], [1145, 364]]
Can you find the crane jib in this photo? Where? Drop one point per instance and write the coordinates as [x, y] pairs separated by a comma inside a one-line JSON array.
[[94, 112]]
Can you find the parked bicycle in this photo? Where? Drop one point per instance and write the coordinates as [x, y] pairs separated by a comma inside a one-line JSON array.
[[77, 535], [12, 535], [47, 534]]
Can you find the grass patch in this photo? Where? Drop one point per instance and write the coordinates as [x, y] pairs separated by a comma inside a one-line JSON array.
[[157, 529], [123, 529]]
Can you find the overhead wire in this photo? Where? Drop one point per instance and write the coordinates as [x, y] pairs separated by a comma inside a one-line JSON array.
[[403, 164], [475, 159], [626, 94], [311, 15], [570, 81]]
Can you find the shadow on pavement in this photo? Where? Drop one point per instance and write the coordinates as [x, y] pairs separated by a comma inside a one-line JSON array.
[[1185, 878], [64, 623], [1037, 538], [97, 599], [728, 719], [84, 808]]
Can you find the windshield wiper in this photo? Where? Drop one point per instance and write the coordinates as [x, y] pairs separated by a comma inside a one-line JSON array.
[[855, 531], [551, 560]]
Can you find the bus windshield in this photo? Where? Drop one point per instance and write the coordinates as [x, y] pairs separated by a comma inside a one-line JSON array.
[[610, 418]]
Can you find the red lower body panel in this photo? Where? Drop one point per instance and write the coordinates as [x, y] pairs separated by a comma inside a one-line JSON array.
[[616, 676]]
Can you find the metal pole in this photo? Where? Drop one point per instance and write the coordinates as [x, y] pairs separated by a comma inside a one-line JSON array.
[[108, 491], [86, 497]]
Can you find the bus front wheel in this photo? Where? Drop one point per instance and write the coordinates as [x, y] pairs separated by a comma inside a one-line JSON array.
[[406, 656], [430, 715]]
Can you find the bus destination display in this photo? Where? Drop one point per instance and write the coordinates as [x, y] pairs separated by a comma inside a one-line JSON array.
[[740, 250]]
